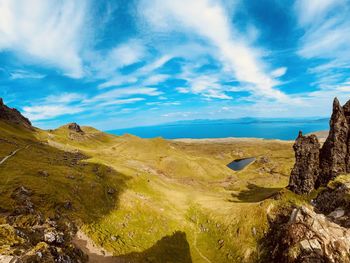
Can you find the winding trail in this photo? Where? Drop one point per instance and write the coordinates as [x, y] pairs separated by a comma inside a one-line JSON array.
[[10, 155], [197, 249]]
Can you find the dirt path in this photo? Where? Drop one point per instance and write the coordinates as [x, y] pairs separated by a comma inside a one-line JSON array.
[[13, 154], [196, 248], [9, 156], [95, 253]]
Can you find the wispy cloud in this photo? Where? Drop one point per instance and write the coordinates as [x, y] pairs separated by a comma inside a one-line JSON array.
[[209, 20], [105, 64], [46, 112], [142, 73], [23, 74], [51, 32]]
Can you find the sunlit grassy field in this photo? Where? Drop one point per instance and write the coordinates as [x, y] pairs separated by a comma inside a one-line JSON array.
[[153, 199]]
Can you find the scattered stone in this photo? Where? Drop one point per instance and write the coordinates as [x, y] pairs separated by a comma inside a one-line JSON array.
[[221, 243], [306, 168], [263, 160], [68, 205], [339, 212], [43, 173], [52, 236], [111, 191]]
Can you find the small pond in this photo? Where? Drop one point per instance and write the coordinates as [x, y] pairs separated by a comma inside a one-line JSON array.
[[240, 164]]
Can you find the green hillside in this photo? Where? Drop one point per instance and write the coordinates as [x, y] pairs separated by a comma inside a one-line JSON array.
[[150, 200]]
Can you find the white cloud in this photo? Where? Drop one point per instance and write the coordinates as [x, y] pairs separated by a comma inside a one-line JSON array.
[[209, 20], [326, 36], [207, 86], [279, 72], [155, 79], [143, 72], [120, 102], [45, 112], [309, 11], [49, 32], [183, 90], [64, 98], [124, 92], [327, 28], [22, 74], [120, 56]]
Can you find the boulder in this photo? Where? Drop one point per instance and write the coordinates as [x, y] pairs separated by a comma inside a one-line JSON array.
[[306, 168], [306, 236]]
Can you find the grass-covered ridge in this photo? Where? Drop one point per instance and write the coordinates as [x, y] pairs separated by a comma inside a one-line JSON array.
[[142, 198]]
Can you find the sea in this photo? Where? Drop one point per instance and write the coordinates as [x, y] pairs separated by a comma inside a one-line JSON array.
[[283, 129]]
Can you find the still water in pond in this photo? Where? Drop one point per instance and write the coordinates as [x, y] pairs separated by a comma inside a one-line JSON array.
[[240, 164]]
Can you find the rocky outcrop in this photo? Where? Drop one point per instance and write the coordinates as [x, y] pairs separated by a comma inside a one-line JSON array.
[[13, 115], [27, 236], [334, 153], [334, 156], [306, 168], [302, 235], [75, 127]]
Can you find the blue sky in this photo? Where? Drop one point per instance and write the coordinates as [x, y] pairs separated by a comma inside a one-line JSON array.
[[124, 63]]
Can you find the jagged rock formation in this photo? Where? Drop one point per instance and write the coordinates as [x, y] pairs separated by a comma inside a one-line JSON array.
[[13, 115], [334, 156], [305, 171], [334, 153], [75, 127]]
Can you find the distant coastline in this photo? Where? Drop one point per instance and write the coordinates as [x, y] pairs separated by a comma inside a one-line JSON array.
[[281, 129]]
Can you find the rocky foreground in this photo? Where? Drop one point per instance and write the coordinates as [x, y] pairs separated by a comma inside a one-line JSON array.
[[26, 236], [319, 232]]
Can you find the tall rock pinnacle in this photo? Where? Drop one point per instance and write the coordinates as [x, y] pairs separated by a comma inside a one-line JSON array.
[[334, 153], [306, 168]]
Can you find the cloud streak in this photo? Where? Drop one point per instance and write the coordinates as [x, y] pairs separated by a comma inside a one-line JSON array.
[[209, 20]]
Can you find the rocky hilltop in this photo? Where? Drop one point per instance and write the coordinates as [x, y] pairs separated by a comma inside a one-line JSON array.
[[315, 166], [13, 115]]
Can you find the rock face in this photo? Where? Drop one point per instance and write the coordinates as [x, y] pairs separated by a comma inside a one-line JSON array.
[[75, 127], [305, 236], [334, 156], [334, 153], [13, 115], [346, 109], [305, 171]]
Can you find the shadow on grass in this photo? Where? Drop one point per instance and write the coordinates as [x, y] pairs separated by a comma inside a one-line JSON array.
[[174, 248], [62, 183], [254, 194]]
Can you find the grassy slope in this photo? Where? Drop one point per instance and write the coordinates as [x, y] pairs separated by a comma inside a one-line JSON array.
[[164, 187]]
